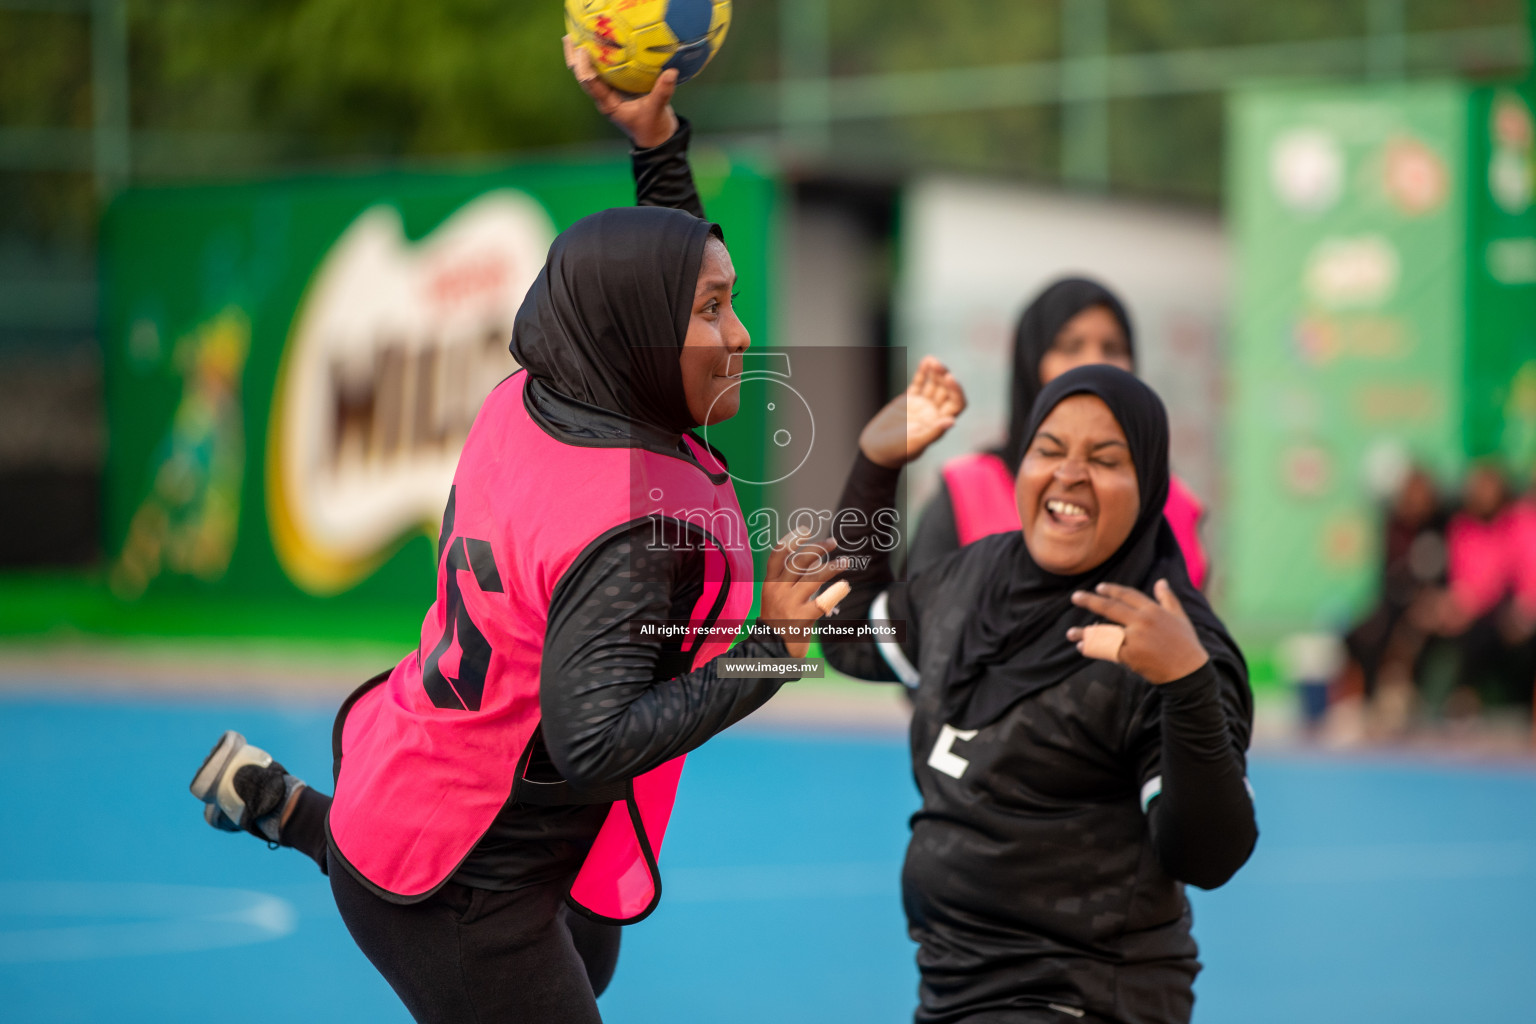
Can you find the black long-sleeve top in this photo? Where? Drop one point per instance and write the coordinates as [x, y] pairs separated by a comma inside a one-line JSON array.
[[662, 175], [613, 706], [937, 535], [1046, 862]]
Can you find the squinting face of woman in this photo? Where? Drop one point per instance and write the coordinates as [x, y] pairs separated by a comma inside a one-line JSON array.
[[710, 359], [1093, 336], [1077, 490]]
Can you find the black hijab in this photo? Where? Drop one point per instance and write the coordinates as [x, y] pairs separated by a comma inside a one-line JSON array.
[[602, 327], [1015, 643], [1038, 326]]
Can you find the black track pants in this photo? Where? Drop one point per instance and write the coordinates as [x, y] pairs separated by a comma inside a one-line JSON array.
[[478, 955], [470, 955]]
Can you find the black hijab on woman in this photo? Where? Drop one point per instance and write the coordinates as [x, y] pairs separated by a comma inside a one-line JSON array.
[[1038, 326], [602, 328], [1015, 643]]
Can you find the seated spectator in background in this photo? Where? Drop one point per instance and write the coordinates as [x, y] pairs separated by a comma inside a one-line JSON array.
[[1479, 613], [1385, 646], [1479, 548], [1520, 618]]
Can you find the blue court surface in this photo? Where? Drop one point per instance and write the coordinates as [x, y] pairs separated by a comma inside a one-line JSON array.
[[1382, 890]]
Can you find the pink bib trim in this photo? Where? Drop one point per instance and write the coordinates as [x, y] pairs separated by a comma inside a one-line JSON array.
[[981, 492], [1483, 559], [1184, 512]]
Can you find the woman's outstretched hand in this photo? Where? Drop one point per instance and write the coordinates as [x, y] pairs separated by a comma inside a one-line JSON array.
[[914, 419], [796, 570], [648, 120], [1160, 644]]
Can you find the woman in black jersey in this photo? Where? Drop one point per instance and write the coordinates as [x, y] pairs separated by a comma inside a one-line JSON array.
[[1079, 727]]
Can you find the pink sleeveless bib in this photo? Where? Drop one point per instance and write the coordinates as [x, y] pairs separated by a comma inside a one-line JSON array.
[[427, 757], [1184, 512], [1482, 559], [981, 491], [1523, 543]]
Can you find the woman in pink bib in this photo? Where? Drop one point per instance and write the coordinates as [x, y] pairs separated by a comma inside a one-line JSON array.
[[502, 793], [1074, 322]]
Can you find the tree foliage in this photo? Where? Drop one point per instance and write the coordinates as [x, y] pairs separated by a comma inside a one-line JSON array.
[[312, 82], [375, 77]]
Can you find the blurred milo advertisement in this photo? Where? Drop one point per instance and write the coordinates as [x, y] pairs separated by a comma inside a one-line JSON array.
[[1385, 312], [292, 366]]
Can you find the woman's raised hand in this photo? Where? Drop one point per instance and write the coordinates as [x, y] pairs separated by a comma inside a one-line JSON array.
[[796, 570], [1159, 644], [648, 120], [914, 419]]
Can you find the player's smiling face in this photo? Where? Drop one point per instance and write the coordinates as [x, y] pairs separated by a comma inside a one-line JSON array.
[[711, 357], [1077, 490]]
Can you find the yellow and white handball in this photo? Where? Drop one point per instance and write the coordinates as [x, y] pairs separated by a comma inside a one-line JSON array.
[[631, 42]]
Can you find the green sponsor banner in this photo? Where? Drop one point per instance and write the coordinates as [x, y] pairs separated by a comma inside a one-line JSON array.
[[292, 366], [1501, 278], [1350, 226], [1386, 310]]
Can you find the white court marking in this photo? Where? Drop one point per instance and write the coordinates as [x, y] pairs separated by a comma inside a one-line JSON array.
[[52, 921]]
